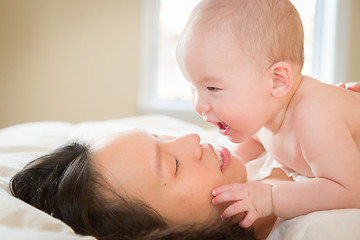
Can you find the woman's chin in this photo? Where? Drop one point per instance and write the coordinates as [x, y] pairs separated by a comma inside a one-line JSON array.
[[237, 170]]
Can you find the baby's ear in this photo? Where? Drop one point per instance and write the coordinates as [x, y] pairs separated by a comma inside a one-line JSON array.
[[281, 77]]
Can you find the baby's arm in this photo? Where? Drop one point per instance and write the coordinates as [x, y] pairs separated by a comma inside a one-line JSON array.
[[330, 150], [249, 149]]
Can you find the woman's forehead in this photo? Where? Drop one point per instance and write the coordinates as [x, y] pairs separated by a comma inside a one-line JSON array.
[[120, 138], [126, 160]]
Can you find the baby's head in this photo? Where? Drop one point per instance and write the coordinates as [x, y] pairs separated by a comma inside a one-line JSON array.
[[266, 31], [133, 185], [243, 59]]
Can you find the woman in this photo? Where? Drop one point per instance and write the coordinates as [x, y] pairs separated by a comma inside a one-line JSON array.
[[134, 185]]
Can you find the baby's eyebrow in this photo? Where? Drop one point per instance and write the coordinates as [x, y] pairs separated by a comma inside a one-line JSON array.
[[212, 80]]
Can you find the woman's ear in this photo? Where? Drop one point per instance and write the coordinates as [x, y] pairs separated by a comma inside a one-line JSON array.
[[281, 78]]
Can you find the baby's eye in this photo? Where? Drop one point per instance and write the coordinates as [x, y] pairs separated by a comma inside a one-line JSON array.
[[212, 89]]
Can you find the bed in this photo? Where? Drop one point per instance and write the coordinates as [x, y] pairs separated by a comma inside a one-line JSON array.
[[21, 143]]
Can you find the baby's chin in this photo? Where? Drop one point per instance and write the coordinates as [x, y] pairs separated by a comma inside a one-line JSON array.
[[236, 139], [237, 136]]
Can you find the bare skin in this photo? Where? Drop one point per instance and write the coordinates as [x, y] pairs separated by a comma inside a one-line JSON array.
[[304, 144], [310, 127], [168, 172], [128, 159], [263, 226]]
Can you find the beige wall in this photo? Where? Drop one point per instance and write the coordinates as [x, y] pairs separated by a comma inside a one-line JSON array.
[[68, 60], [77, 60], [354, 53]]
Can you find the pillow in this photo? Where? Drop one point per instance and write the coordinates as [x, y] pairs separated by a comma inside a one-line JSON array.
[[22, 143]]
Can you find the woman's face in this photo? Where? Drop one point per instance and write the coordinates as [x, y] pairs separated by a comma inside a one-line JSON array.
[[175, 176]]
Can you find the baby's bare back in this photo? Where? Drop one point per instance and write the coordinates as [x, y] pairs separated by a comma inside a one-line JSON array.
[[311, 98], [341, 101]]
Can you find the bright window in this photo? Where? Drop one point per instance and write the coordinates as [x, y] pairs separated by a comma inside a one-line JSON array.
[[164, 89]]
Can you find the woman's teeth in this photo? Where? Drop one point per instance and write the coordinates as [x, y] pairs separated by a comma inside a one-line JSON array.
[[219, 157]]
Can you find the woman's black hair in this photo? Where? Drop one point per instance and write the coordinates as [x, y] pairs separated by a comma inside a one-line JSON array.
[[65, 185]]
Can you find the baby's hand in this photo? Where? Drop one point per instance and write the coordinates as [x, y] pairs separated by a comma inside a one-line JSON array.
[[353, 86], [253, 198]]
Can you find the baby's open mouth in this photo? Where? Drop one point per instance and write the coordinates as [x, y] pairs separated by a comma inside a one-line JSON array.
[[223, 128]]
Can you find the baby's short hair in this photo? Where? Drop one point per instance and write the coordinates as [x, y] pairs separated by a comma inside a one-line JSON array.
[[267, 30]]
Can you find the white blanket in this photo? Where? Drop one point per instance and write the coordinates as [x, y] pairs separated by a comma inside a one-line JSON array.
[[20, 144]]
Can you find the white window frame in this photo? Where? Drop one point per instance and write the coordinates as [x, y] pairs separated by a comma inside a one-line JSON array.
[[331, 45], [330, 54], [148, 103]]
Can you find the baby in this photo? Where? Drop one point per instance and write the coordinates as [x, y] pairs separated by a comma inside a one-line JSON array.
[[244, 60]]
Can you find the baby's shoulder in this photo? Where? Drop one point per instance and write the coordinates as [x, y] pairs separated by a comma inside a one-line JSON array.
[[316, 103], [313, 96], [309, 97], [312, 102], [311, 89]]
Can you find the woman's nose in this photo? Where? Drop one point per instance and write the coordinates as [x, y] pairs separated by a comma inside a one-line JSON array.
[[189, 145], [191, 138]]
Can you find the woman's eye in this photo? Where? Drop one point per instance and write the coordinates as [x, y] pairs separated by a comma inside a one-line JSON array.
[[176, 166], [212, 89]]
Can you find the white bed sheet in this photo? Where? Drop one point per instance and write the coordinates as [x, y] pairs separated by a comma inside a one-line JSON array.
[[20, 144]]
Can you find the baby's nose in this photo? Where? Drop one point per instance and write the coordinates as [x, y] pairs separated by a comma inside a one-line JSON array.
[[201, 106]]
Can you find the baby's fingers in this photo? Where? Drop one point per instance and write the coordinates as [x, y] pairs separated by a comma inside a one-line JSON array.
[[241, 207], [232, 195], [355, 87], [224, 188], [249, 220], [235, 208]]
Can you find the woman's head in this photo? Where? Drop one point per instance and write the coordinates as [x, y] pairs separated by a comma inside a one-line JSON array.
[[97, 192], [175, 176], [65, 185]]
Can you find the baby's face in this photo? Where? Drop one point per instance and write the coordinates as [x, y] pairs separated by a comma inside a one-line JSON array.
[[175, 176], [228, 89]]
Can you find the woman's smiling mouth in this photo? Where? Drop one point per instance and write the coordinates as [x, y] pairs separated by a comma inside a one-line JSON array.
[[223, 155]]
